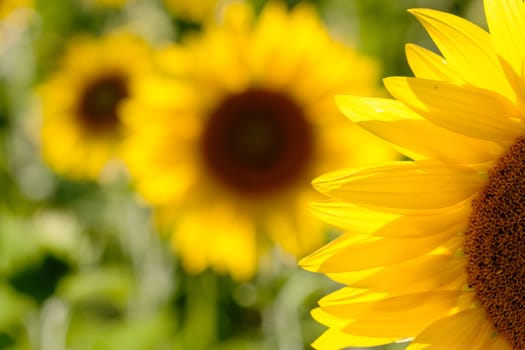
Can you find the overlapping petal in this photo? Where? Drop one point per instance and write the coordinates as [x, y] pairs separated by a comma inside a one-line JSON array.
[[468, 329], [429, 65], [414, 136], [506, 21], [466, 110], [426, 273], [347, 254], [460, 41], [423, 184], [351, 217], [335, 338], [396, 317]]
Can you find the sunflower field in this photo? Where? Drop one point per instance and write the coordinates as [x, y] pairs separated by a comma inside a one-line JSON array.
[[262, 175]]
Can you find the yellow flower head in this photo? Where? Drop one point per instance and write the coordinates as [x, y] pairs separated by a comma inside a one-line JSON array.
[[225, 143], [435, 247], [81, 129]]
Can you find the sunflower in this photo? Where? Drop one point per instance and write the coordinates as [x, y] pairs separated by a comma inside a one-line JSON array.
[[81, 128], [225, 140], [435, 246]]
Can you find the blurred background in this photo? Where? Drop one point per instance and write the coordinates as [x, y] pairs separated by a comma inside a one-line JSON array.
[[81, 263]]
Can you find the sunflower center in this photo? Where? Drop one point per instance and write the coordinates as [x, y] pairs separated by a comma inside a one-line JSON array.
[[495, 245], [257, 141], [98, 106]]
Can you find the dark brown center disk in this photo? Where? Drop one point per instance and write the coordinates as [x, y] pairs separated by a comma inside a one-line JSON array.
[[98, 106], [495, 246], [257, 142]]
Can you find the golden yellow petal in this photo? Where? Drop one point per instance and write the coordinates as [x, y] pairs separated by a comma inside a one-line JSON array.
[[345, 254], [334, 338], [411, 134], [347, 294], [350, 277], [230, 247], [174, 60], [350, 217], [361, 220], [312, 261], [429, 65], [168, 185], [506, 21], [266, 38], [163, 93], [238, 17], [416, 226], [466, 110], [228, 70], [426, 273], [404, 185], [468, 329], [397, 317], [235, 248], [467, 48], [184, 240]]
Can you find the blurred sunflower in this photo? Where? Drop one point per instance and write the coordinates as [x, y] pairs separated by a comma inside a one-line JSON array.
[[81, 129], [435, 247], [237, 127]]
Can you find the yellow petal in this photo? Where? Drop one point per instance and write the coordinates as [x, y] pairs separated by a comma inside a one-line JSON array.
[[466, 110], [351, 217], [168, 185], [404, 185], [429, 65], [467, 48], [396, 317], [272, 21], [468, 329], [162, 93], [334, 338], [416, 226], [350, 277], [314, 260], [238, 17], [347, 295], [234, 247], [506, 21], [230, 247], [411, 134], [423, 274], [344, 256]]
